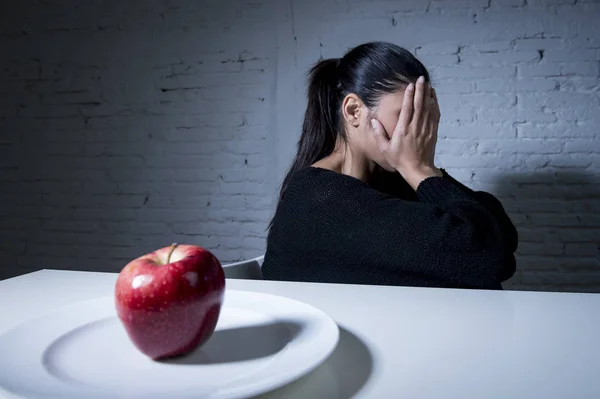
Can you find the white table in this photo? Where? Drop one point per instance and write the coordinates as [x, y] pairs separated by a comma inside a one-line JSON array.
[[399, 342]]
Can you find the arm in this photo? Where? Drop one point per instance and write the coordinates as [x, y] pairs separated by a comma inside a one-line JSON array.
[[510, 233], [452, 231], [447, 236], [507, 231]]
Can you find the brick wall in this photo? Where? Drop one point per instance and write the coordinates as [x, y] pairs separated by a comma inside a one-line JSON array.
[[127, 126], [519, 87], [130, 125]]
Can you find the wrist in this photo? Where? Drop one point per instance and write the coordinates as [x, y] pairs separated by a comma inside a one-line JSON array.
[[415, 174], [422, 169]]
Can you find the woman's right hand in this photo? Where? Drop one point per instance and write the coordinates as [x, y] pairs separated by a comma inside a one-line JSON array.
[[411, 148]]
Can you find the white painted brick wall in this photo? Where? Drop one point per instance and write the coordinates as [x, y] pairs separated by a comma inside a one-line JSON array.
[[128, 125], [519, 87]]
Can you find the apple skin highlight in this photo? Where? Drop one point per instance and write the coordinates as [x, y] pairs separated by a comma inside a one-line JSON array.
[[169, 301]]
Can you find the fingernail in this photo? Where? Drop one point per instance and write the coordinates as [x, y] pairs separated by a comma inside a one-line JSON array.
[[373, 123], [421, 79], [410, 87]]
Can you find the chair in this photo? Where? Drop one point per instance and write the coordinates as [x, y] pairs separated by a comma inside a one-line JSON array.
[[247, 269]]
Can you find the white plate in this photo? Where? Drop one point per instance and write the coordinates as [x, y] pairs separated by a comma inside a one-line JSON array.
[[82, 350]]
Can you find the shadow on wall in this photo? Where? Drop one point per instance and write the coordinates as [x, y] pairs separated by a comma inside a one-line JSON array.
[[557, 214]]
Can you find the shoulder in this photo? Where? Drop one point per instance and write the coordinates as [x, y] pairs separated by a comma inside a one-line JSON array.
[[322, 193], [319, 176], [321, 183]]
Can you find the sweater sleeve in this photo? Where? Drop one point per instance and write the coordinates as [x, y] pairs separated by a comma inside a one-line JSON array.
[[447, 235], [509, 232]]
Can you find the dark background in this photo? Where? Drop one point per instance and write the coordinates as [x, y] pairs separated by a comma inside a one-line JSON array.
[[128, 125]]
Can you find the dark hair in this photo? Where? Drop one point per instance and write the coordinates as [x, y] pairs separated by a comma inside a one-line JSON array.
[[369, 70]]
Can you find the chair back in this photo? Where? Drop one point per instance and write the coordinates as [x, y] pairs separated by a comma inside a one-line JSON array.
[[247, 269]]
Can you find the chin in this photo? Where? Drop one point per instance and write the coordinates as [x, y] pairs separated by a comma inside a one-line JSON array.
[[387, 168]]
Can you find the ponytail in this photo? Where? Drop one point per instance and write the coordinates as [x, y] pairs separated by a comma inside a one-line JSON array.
[[369, 71], [321, 127]]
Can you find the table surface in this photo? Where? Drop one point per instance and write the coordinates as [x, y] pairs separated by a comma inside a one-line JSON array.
[[401, 341]]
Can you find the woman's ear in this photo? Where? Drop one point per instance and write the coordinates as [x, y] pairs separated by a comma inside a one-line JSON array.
[[352, 107]]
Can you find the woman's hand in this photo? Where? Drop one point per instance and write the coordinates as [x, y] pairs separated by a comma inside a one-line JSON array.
[[411, 149]]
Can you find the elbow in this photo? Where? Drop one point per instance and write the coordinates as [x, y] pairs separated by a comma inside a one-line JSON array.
[[492, 264], [486, 268], [501, 265], [487, 249], [500, 246], [508, 243], [507, 267]]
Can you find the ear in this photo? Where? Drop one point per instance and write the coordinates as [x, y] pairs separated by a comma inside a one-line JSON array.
[[352, 109]]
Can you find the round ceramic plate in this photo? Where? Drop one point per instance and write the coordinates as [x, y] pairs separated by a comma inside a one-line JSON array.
[[82, 351]]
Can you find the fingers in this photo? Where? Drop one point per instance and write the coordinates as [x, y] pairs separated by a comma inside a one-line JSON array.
[[380, 136], [436, 105], [433, 125], [406, 112], [434, 122], [428, 108], [420, 96]]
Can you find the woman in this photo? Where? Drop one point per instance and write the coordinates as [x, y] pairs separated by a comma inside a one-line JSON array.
[[364, 203]]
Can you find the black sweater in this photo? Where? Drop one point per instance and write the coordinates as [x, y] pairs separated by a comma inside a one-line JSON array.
[[334, 228]]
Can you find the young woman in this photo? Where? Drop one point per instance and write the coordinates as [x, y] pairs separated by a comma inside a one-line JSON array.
[[364, 203]]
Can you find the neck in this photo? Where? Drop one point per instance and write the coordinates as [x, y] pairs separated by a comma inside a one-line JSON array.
[[348, 161]]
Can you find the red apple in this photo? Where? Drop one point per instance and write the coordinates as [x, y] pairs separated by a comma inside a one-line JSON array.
[[169, 300]]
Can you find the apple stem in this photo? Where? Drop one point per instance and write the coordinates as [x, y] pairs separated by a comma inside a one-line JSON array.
[[173, 246]]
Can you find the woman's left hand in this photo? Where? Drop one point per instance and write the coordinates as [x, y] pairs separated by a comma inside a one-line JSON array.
[[433, 120]]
